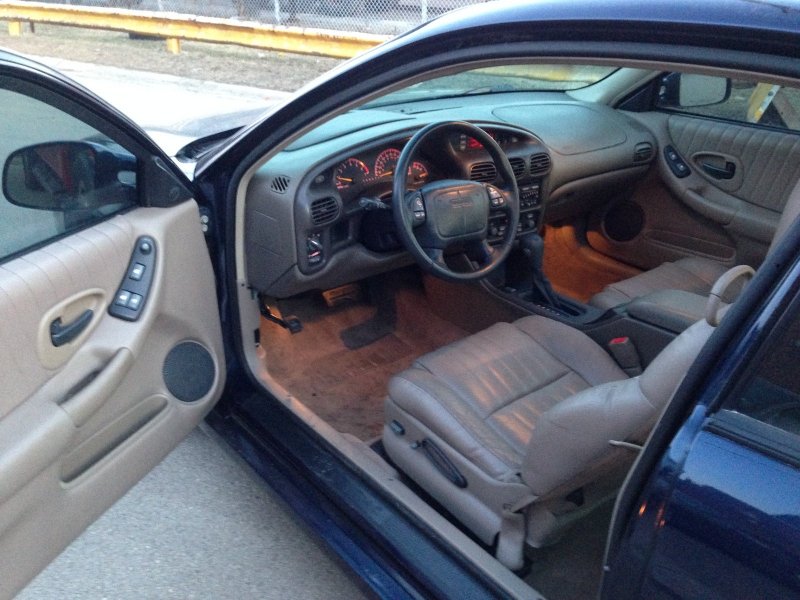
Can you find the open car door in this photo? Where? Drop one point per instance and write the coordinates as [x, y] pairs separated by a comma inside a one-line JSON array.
[[110, 344]]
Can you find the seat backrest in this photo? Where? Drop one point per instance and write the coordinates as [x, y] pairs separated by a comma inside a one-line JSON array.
[[790, 212], [570, 445]]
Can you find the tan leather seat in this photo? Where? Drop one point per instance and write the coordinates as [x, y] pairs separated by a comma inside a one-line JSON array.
[[695, 274], [522, 426]]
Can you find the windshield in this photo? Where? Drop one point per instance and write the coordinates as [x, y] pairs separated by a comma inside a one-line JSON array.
[[507, 78]]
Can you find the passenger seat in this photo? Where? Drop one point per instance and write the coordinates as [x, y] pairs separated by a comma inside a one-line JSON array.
[[694, 274]]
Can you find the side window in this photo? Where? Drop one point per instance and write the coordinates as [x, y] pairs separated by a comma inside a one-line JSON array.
[[771, 394], [738, 100], [58, 173]]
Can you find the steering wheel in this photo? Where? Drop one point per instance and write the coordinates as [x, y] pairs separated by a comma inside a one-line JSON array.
[[453, 212]]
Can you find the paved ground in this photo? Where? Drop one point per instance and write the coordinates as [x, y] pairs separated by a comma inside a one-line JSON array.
[[201, 525]]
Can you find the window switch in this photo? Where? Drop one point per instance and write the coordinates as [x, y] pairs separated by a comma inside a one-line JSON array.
[[137, 272], [123, 297], [676, 163], [135, 302]]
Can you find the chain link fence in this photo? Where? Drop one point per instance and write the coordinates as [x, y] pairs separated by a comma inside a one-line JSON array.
[[364, 16]]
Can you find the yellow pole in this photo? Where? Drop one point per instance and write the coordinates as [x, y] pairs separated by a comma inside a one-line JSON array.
[[174, 45], [15, 28], [760, 99]]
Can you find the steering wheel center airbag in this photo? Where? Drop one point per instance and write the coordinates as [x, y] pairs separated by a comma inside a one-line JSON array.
[[460, 209]]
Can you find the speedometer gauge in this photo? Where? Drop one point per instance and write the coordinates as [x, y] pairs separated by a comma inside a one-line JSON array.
[[386, 162], [350, 173]]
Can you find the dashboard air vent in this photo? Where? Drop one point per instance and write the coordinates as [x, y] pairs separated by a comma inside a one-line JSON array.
[[280, 184], [518, 166], [324, 210], [643, 152], [483, 171], [540, 163]]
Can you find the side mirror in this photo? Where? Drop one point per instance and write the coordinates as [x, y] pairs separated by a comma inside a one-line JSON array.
[[65, 176], [688, 90]]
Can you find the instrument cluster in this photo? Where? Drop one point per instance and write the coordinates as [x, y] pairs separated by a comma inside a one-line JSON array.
[[355, 174]]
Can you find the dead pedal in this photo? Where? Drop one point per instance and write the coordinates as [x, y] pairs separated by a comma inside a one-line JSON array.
[[337, 296]]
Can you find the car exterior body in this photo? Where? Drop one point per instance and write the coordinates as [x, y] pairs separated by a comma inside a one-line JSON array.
[[708, 509]]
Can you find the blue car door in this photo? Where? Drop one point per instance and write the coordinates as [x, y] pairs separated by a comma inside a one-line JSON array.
[[712, 510]]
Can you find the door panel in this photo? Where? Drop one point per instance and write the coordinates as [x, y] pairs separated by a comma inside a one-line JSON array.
[[82, 422], [669, 229], [770, 160], [728, 205]]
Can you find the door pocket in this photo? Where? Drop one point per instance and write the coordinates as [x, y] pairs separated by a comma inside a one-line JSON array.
[[103, 443]]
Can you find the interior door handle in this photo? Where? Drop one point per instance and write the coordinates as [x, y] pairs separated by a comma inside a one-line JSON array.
[[716, 172], [61, 334]]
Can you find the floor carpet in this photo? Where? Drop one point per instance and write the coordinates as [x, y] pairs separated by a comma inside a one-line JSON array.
[[341, 362], [575, 269]]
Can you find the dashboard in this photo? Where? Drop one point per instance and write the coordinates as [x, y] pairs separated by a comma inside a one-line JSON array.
[[317, 215]]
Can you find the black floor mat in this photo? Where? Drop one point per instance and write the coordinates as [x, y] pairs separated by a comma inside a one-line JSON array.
[[382, 323]]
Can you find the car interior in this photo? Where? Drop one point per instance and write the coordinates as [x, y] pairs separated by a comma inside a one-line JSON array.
[[483, 287]]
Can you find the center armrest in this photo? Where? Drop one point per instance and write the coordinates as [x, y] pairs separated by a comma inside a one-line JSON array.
[[673, 310]]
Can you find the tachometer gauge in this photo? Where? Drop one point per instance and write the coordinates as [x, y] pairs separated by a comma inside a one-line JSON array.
[[386, 162], [417, 172], [350, 173]]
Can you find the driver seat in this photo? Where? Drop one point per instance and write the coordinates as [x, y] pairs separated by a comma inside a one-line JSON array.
[[523, 427]]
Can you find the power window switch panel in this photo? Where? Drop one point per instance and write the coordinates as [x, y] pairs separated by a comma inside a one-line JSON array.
[[123, 298]]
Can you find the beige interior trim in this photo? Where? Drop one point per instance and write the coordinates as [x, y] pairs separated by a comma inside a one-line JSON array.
[[75, 437]]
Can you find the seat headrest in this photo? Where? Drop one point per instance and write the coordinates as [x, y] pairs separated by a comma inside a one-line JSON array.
[[715, 307], [790, 212]]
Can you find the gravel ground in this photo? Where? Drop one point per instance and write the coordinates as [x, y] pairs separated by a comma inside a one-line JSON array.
[[212, 62]]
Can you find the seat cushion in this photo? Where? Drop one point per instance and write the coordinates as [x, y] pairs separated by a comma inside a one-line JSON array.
[[484, 395], [696, 275]]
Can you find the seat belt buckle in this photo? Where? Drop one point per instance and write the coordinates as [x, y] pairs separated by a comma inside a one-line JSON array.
[[624, 352]]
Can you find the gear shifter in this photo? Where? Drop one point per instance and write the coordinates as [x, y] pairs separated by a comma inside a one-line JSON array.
[[532, 246]]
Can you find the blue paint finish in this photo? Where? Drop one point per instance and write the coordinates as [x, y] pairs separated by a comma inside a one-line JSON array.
[[731, 528]]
